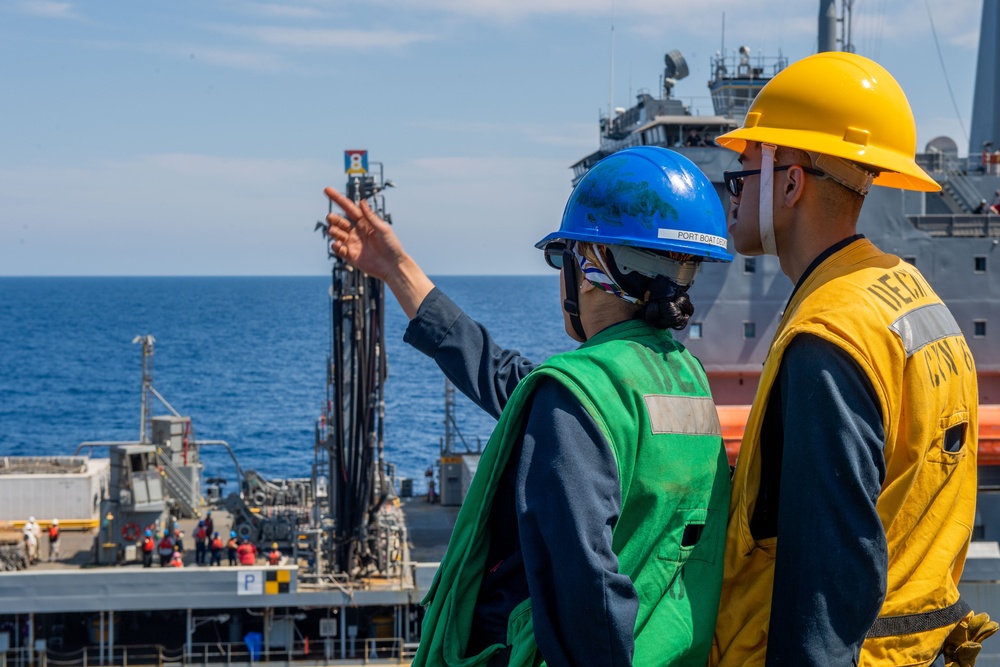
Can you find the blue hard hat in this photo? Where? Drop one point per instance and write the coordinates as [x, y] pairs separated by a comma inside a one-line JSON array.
[[232, 533], [647, 197], [149, 533], [201, 523]]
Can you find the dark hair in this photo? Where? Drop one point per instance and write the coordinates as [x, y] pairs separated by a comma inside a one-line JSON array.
[[667, 304]]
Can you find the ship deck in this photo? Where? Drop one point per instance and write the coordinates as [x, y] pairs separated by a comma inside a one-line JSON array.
[[166, 612]]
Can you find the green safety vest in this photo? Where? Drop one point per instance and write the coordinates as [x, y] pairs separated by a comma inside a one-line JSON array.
[[651, 400]]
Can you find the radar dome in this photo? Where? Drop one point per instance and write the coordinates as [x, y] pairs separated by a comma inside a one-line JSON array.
[[942, 144]]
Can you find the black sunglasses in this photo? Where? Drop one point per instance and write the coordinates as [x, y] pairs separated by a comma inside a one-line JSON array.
[[554, 252], [734, 179]]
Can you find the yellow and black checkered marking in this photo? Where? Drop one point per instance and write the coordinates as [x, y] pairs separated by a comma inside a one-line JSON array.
[[277, 582]]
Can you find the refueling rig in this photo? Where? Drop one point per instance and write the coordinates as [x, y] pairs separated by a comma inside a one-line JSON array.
[[361, 529], [346, 518]]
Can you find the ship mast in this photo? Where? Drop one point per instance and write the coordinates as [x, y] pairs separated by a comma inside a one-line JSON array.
[[985, 131], [827, 39], [146, 410]]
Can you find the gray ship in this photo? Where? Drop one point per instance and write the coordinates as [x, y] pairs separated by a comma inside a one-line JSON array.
[[948, 235]]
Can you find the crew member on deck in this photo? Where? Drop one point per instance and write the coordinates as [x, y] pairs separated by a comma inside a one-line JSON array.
[[148, 546], [274, 555], [693, 139], [592, 530], [31, 526], [30, 547], [178, 537], [54, 540], [247, 553], [215, 549], [232, 548], [200, 543], [854, 493], [165, 549]]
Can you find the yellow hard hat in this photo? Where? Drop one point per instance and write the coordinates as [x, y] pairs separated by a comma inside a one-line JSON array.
[[838, 104], [274, 545]]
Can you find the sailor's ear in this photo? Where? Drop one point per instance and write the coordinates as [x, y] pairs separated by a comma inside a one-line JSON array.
[[795, 179]]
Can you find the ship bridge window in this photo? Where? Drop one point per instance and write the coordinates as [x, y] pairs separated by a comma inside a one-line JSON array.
[[979, 329], [694, 331], [749, 265], [749, 330], [979, 264], [137, 462]]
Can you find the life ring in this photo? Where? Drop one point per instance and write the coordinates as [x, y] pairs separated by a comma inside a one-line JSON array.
[[259, 497], [130, 531]]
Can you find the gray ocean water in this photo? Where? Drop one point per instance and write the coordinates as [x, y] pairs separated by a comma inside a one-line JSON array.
[[243, 357]]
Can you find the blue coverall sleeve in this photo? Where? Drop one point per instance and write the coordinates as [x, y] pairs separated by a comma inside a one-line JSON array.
[[568, 500], [831, 558], [466, 353]]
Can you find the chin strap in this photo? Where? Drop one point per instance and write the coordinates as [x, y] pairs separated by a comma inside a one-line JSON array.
[[572, 304], [766, 214]]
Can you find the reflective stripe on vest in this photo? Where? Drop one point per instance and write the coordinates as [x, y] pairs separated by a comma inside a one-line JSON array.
[[922, 326], [908, 624], [691, 415]]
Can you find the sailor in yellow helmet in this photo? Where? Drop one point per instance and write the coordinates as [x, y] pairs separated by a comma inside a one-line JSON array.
[[854, 494]]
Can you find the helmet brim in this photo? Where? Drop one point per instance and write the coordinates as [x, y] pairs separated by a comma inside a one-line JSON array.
[[894, 170], [704, 251]]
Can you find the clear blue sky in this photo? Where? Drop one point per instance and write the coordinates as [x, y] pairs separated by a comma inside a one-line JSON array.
[[194, 137]]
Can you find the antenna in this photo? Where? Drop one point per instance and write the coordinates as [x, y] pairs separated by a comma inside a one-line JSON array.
[[845, 26], [146, 408], [723, 49], [611, 92]]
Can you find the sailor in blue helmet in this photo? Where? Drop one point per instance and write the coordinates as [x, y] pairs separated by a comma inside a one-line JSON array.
[[148, 546], [592, 532], [231, 547]]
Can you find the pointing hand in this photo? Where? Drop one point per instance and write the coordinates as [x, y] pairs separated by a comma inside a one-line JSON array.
[[367, 242], [362, 239]]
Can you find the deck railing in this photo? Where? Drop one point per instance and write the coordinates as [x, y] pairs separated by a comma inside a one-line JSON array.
[[965, 225], [370, 651]]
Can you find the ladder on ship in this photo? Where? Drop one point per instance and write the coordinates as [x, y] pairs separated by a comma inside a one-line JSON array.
[[182, 492]]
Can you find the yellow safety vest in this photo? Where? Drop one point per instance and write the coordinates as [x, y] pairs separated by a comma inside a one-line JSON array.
[[882, 312]]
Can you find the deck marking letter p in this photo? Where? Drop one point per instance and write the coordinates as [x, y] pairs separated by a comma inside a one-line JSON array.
[[249, 582]]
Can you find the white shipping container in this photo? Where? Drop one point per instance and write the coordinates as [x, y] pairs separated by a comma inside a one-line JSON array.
[[72, 497]]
